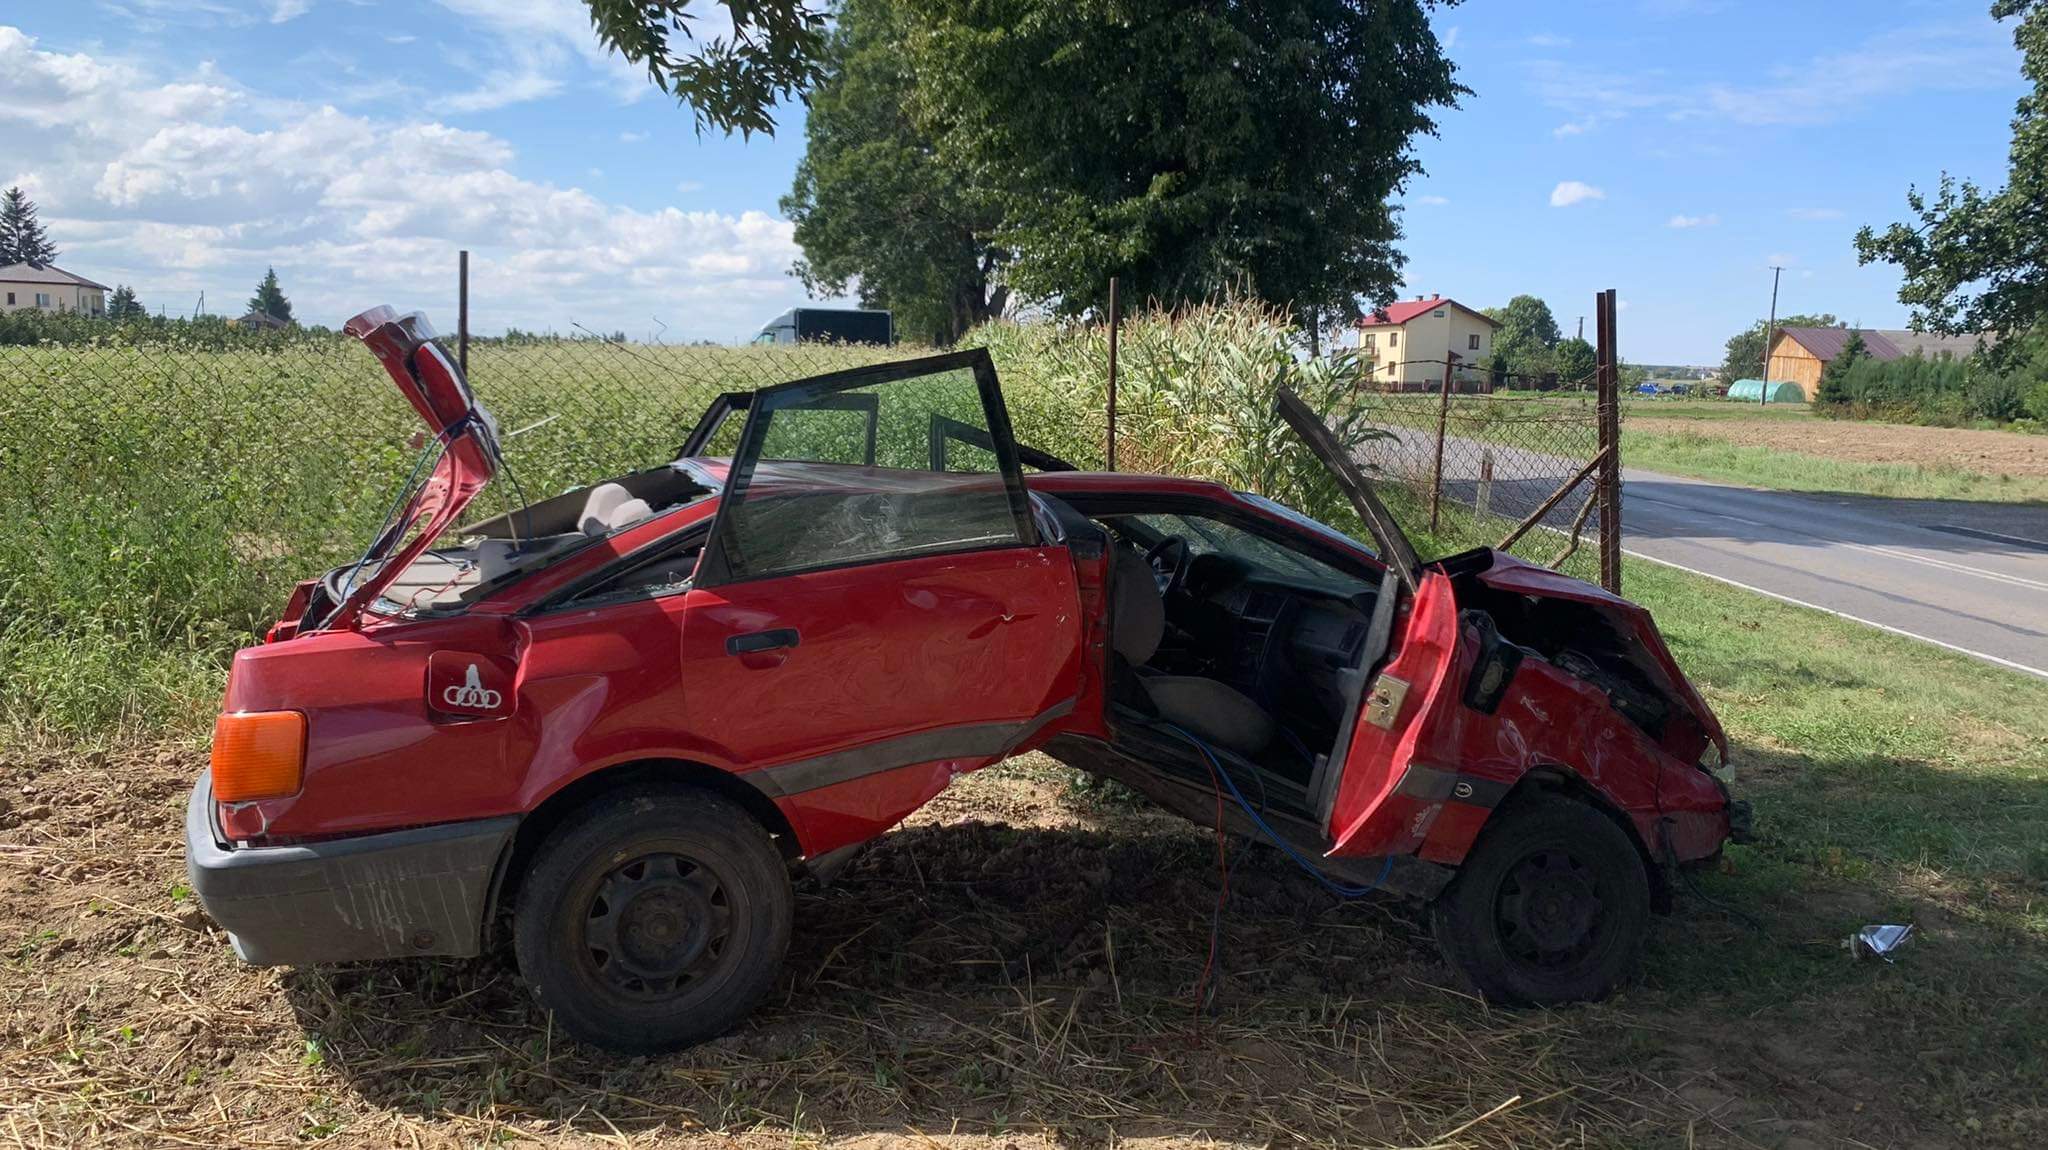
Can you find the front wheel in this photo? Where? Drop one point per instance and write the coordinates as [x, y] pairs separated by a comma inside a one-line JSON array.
[[1551, 906], [653, 919]]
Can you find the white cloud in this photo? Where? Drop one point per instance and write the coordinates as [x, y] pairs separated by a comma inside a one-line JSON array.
[[1814, 214], [533, 47], [1959, 55], [284, 10], [1450, 37], [1570, 192], [1571, 128], [1550, 40], [1818, 89], [1684, 221], [1780, 260], [632, 137], [195, 183], [1432, 201], [689, 186]]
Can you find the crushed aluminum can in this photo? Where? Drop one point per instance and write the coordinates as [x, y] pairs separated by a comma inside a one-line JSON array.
[[1879, 939]]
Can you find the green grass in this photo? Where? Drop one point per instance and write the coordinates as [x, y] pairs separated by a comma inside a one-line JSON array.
[[1703, 455], [1671, 408], [1893, 782]]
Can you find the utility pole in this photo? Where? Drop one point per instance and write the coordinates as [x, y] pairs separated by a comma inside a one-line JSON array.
[[1582, 329], [1764, 392]]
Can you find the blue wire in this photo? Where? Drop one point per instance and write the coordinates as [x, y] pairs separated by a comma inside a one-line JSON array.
[[1337, 888]]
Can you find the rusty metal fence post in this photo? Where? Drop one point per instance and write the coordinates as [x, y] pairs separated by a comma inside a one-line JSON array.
[[1609, 416], [1114, 322], [462, 313], [1436, 473]]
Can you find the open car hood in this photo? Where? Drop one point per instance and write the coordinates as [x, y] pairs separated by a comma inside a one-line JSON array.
[[1395, 550], [464, 447]]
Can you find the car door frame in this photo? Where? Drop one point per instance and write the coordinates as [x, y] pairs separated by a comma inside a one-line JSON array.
[[730, 402], [714, 568]]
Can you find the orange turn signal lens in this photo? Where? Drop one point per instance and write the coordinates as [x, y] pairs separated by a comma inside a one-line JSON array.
[[258, 755]]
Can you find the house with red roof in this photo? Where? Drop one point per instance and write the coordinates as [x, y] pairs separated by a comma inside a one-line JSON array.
[[1408, 342]]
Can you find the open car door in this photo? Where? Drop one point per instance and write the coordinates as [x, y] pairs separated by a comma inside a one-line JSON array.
[[1409, 657], [903, 621]]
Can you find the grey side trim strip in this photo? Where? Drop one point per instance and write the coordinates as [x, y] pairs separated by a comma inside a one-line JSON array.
[[967, 741], [1434, 784]]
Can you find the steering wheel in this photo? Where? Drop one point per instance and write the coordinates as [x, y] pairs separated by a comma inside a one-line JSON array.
[[1169, 575]]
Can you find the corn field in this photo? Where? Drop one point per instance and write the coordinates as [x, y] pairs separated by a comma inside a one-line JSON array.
[[163, 497]]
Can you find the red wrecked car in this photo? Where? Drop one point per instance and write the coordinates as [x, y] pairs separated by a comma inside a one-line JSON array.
[[620, 720]]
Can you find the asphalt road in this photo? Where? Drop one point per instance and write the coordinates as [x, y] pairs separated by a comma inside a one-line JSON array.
[[1972, 577]]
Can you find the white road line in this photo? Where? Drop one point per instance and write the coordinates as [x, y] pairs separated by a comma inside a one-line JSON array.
[[1875, 549], [1885, 627], [1997, 576]]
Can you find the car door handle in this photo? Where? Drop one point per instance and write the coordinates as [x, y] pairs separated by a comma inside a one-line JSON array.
[[761, 641]]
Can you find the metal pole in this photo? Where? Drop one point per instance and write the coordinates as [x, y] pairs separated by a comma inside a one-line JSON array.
[[1764, 393], [1114, 318], [1443, 418], [1609, 413], [462, 314]]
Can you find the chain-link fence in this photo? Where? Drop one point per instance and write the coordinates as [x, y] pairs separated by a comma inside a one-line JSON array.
[[1489, 458]]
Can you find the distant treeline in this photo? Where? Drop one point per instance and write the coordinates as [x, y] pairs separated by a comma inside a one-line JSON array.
[[29, 327]]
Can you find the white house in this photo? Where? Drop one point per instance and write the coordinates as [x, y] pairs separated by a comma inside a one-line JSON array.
[[47, 287], [1409, 341]]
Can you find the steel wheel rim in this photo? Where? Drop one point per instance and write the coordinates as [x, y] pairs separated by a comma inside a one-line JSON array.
[[656, 924], [1548, 910]]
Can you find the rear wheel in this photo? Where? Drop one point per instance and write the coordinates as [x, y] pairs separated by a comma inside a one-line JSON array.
[[653, 919], [1551, 906]]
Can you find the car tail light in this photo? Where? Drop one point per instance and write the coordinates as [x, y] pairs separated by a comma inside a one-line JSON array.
[[258, 755]]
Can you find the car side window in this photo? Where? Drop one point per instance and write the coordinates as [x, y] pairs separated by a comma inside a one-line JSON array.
[[857, 479], [667, 570]]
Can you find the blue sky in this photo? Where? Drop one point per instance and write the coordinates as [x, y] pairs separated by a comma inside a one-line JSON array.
[[1671, 149]]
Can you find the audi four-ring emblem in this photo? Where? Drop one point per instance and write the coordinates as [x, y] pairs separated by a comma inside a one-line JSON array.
[[471, 692]]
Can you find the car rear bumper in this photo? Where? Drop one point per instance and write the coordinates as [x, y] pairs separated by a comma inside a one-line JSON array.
[[410, 892]]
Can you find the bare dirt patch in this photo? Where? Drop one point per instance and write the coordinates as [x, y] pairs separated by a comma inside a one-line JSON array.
[[1017, 969], [1961, 449]]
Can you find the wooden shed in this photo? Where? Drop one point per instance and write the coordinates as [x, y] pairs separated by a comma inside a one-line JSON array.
[[1800, 354]]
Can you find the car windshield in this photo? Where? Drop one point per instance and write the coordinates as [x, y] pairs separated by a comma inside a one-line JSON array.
[[1300, 520], [1210, 536]]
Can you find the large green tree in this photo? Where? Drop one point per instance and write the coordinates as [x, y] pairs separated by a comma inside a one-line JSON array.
[[22, 237], [1528, 332], [1744, 356], [269, 298], [1188, 148], [730, 83], [1974, 261], [1575, 360], [873, 205]]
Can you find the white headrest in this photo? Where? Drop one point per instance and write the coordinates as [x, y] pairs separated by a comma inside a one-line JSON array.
[[598, 507], [629, 512]]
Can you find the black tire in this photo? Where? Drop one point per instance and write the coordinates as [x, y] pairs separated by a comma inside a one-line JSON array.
[[653, 919], [1551, 906]]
